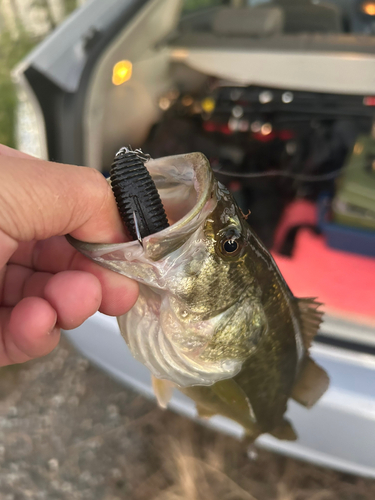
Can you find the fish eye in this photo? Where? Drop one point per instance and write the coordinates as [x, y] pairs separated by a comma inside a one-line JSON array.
[[230, 247], [229, 242]]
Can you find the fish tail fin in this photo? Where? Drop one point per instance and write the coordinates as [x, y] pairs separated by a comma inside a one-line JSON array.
[[285, 431], [311, 384], [311, 318]]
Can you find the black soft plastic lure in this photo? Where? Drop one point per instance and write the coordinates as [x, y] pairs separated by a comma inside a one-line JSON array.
[[137, 198]]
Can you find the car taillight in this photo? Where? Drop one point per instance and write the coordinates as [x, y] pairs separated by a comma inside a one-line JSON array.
[[369, 101]]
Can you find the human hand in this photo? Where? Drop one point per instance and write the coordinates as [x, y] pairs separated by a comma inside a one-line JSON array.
[[45, 284]]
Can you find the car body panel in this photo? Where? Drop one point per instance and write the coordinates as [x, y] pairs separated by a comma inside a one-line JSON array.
[[338, 432]]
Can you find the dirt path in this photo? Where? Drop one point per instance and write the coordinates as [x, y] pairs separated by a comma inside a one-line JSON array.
[[67, 431]]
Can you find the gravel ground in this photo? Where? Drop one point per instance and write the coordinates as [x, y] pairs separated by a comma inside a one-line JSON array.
[[68, 431]]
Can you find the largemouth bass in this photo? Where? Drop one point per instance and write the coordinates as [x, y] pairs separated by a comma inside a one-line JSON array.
[[214, 316]]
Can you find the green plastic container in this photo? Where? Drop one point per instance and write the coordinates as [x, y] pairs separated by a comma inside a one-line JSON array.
[[354, 203]]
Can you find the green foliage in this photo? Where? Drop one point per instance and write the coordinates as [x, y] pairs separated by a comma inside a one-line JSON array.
[[11, 52], [46, 7], [70, 6], [190, 5]]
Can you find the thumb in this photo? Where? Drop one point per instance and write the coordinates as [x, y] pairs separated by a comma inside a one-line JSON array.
[[39, 199]]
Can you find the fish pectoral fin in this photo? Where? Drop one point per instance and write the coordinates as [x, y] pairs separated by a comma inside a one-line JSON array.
[[310, 319], [311, 385], [163, 390], [285, 431], [232, 394]]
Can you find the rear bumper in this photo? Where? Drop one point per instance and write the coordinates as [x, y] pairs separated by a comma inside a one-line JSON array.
[[339, 432]]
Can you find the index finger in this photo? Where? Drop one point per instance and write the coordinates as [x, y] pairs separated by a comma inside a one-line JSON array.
[[7, 151], [40, 199]]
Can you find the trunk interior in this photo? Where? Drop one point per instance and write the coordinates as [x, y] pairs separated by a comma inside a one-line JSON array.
[[295, 144]]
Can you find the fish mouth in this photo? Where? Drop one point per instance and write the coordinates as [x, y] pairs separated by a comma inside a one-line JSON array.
[[185, 184]]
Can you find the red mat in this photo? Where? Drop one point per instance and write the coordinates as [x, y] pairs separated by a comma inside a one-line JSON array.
[[343, 281]]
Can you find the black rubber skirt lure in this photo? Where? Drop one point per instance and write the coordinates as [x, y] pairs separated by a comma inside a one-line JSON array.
[[137, 198]]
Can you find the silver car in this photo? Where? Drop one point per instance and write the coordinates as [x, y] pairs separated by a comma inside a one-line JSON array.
[[284, 85]]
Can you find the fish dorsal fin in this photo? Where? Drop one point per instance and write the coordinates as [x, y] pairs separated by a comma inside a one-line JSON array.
[[310, 318]]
